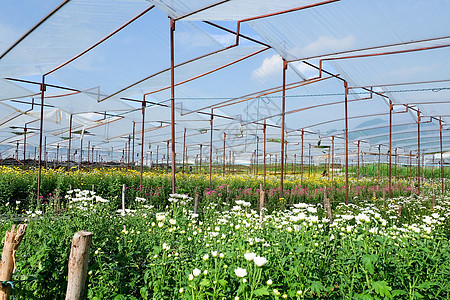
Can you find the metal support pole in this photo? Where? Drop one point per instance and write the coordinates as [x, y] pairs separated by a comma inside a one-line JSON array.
[[301, 165], [210, 148], [167, 156], [224, 153], [229, 163], [257, 154], [81, 150], [157, 153], [88, 152], [309, 161], [395, 164], [276, 165], [70, 143], [201, 158], [418, 151], [442, 158], [391, 108], [144, 104], [332, 159], [134, 137], [264, 159], [43, 87], [45, 152], [346, 142], [184, 148], [295, 163], [379, 161], [358, 161], [285, 158], [129, 152], [283, 124], [172, 102], [24, 146]]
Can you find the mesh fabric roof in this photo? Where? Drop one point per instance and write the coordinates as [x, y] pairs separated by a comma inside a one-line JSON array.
[[101, 59]]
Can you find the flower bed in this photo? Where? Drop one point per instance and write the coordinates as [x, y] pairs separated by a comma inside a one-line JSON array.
[[226, 252]]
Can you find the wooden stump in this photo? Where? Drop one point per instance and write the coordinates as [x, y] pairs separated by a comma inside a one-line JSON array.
[[8, 263], [78, 265]]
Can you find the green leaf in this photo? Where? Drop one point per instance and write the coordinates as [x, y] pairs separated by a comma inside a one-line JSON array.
[[382, 288], [426, 285], [144, 293], [316, 287], [222, 282], [261, 292], [205, 282], [396, 293], [369, 261], [362, 297]]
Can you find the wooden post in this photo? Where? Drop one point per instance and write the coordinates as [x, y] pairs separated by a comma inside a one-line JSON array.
[[261, 204], [78, 265], [8, 262]]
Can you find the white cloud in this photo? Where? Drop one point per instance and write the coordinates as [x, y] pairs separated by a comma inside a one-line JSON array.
[[271, 66]]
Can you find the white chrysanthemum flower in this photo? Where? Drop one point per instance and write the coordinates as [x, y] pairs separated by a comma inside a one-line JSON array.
[[260, 261], [311, 209], [160, 217], [249, 256], [196, 272], [240, 272]]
